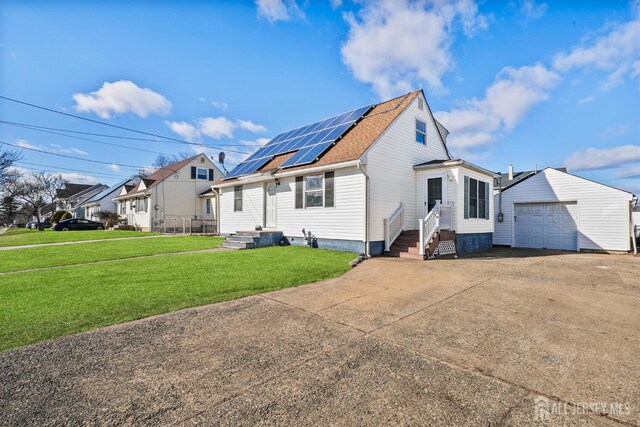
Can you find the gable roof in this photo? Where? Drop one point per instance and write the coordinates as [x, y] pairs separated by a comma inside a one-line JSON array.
[[160, 175], [104, 193], [564, 170], [505, 182], [71, 189], [356, 141]]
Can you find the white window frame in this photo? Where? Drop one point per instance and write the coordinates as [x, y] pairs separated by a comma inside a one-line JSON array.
[[207, 206], [321, 190], [424, 134], [235, 198], [206, 174]]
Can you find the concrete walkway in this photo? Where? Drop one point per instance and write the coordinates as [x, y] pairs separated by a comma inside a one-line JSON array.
[[39, 245], [465, 342]]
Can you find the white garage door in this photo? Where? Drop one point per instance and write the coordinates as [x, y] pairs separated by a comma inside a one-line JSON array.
[[546, 225]]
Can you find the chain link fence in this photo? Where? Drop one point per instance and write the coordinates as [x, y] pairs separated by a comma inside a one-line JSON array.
[[184, 226]]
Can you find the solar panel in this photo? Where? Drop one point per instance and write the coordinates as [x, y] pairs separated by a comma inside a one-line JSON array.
[[309, 142]]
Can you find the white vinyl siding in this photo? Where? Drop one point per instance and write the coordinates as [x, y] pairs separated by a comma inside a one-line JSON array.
[[344, 221], [252, 208], [603, 213], [389, 164]]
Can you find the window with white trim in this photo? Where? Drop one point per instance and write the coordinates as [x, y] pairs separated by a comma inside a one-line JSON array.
[[237, 198], [203, 174], [476, 198], [207, 206], [315, 191], [421, 132]]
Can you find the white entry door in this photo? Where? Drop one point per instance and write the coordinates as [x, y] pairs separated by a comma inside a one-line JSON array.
[[271, 206], [546, 226]]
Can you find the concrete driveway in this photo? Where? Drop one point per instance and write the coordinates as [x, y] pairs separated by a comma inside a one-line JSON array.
[[393, 342]]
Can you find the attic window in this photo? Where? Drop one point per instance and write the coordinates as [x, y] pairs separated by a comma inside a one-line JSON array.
[[421, 132], [420, 103], [202, 173]]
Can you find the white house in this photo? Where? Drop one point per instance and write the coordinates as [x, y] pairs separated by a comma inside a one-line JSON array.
[[553, 209], [72, 196], [175, 195], [357, 180], [103, 201]]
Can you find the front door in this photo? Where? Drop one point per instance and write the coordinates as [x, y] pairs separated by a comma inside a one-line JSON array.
[[270, 206], [434, 191]]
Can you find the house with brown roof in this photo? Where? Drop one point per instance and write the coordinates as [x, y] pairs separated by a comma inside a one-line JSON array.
[[375, 179], [178, 194]]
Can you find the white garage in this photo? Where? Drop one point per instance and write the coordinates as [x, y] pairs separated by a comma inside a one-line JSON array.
[[556, 210]]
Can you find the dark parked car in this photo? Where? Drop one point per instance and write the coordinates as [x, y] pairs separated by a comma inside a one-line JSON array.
[[78, 224]]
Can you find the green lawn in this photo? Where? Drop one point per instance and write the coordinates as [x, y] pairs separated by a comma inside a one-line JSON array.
[[38, 305], [25, 236], [50, 256]]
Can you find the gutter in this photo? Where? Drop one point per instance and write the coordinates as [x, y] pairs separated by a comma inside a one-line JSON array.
[[366, 210], [450, 163], [250, 179]]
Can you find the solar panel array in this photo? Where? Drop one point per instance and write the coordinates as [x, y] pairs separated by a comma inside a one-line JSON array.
[[309, 142]]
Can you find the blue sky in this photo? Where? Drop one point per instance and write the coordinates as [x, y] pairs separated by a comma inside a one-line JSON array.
[[523, 82]]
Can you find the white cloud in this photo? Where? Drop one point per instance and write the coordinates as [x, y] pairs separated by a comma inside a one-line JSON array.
[[278, 10], [633, 172], [617, 53], [114, 167], [251, 127], [395, 45], [532, 10], [77, 151], [221, 105], [25, 144], [513, 93], [595, 158], [79, 178], [53, 148], [122, 97], [216, 127], [185, 130], [616, 130], [586, 100]]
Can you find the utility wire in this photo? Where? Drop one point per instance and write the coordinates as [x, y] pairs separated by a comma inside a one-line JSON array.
[[54, 168], [71, 157], [167, 138], [29, 125]]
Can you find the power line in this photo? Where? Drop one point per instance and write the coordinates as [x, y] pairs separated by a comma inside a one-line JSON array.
[[71, 157], [54, 168], [84, 139], [29, 126], [167, 138]]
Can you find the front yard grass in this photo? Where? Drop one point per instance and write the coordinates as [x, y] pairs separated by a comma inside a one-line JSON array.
[[25, 236], [52, 256], [39, 305]]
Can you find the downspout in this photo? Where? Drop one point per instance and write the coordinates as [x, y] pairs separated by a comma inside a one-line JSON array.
[[633, 202], [366, 210]]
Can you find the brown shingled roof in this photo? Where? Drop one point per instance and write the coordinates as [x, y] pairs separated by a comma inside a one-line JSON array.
[[160, 175], [356, 141]]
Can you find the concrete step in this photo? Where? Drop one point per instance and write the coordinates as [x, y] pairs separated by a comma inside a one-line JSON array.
[[247, 234], [247, 239], [238, 244], [407, 255], [402, 248]]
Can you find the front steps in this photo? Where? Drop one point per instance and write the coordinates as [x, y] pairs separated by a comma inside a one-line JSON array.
[[407, 245], [252, 239]]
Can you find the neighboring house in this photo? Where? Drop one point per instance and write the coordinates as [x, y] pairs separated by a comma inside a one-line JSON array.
[[553, 209], [103, 201], [357, 180], [506, 180], [72, 196], [181, 191]]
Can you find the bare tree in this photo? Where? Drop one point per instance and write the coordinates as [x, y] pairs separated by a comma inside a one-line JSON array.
[[9, 201], [165, 160], [7, 160], [39, 191]]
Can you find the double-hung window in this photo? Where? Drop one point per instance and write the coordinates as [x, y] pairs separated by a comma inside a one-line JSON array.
[[421, 132], [207, 206], [203, 174], [237, 198], [476, 198], [315, 191]]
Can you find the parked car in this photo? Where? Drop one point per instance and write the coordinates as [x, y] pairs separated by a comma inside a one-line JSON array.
[[17, 225], [32, 224], [78, 224]]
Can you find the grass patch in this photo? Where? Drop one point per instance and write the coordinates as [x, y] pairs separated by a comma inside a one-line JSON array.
[[25, 236], [39, 305], [52, 256]]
